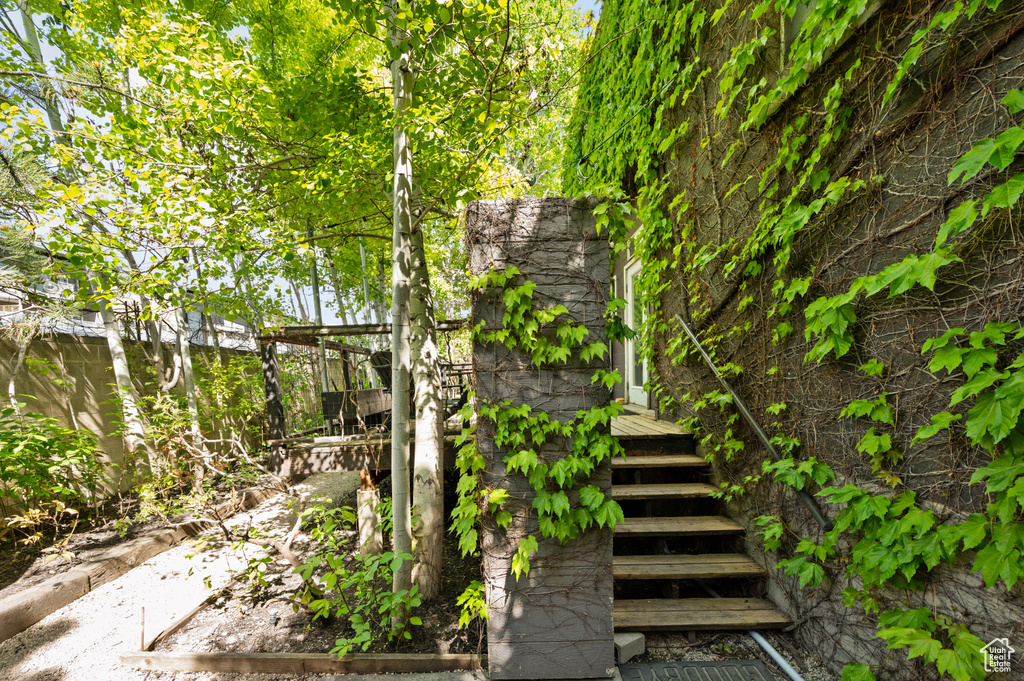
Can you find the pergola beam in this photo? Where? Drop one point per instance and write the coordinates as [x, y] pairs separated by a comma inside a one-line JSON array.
[[311, 341], [287, 333]]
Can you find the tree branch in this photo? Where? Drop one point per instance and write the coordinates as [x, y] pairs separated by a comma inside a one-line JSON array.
[[80, 83]]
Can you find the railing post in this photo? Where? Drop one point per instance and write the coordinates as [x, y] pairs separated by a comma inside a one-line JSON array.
[[275, 401]]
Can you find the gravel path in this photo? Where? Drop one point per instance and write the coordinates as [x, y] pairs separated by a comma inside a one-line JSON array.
[[83, 641]]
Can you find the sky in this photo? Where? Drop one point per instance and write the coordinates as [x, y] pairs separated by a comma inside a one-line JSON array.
[[594, 5]]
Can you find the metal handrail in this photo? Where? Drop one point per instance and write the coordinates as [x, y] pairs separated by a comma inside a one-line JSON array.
[[804, 497]]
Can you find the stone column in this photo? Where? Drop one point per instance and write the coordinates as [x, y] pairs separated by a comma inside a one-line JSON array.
[[555, 622]]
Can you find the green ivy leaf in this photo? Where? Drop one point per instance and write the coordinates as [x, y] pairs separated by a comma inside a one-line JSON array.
[[855, 671], [806, 571], [990, 420], [974, 360], [1007, 144], [916, 521], [939, 422], [521, 560], [958, 665], [1014, 101], [943, 340], [948, 358], [960, 219], [921, 644], [930, 548], [772, 532], [872, 368], [980, 382], [974, 530], [971, 163], [591, 497], [842, 494], [1001, 473], [872, 443], [910, 58], [868, 506], [609, 514], [1004, 195]]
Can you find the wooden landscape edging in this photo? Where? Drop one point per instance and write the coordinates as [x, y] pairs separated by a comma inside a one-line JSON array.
[[25, 608], [303, 663]]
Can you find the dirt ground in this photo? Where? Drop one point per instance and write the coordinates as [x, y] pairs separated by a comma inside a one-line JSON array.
[[58, 548], [84, 639], [55, 551], [266, 622]]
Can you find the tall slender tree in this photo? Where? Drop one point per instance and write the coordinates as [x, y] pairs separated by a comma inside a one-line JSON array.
[[401, 351]]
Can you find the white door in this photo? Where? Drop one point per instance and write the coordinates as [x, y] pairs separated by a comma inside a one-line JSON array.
[[636, 368]]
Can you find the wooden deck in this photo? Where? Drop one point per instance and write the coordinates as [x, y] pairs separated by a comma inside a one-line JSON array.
[[680, 526], [682, 490], [295, 456], [655, 452], [306, 456], [660, 461], [636, 427]]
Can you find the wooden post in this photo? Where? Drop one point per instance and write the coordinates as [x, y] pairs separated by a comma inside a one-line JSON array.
[[346, 370], [275, 402], [555, 622]]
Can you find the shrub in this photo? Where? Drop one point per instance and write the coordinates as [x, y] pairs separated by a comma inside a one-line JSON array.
[[352, 585], [45, 468]]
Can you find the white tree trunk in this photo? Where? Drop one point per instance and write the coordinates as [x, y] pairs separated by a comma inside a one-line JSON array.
[[298, 300], [187, 373], [374, 342], [428, 471], [314, 277], [131, 411], [370, 539], [401, 198], [23, 343], [382, 291], [45, 86]]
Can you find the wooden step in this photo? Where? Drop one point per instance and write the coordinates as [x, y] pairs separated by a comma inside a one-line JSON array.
[[677, 526], [681, 490], [703, 566], [635, 427], [659, 461], [691, 614]]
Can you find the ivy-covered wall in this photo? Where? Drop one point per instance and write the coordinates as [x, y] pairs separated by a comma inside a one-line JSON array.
[[833, 205]]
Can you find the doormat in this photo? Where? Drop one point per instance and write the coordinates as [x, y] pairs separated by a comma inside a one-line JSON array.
[[721, 670]]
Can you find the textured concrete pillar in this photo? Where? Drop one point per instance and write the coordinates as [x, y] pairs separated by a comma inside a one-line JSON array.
[[556, 622]]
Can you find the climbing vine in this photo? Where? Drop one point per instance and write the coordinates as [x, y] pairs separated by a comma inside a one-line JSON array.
[[563, 506], [744, 139]]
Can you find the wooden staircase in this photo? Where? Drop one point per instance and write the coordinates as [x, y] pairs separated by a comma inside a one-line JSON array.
[[671, 537]]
